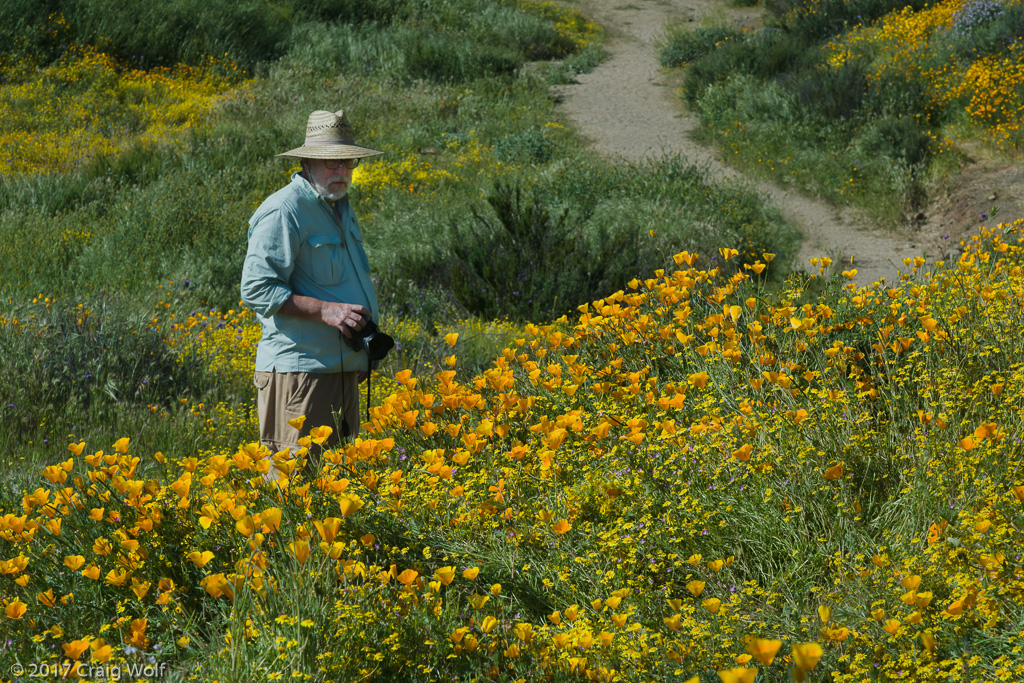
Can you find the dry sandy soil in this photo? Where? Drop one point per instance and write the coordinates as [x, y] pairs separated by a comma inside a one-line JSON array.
[[629, 107]]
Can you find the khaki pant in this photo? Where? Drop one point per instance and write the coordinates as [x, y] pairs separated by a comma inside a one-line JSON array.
[[330, 398]]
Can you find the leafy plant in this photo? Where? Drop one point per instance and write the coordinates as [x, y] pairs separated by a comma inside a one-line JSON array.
[[526, 263], [684, 46]]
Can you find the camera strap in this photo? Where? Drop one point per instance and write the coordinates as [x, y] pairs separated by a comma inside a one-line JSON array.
[[369, 374]]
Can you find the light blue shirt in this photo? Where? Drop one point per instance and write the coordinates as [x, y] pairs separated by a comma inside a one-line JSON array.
[[298, 244]]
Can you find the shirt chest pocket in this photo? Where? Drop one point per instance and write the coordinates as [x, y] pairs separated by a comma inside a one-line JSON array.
[[327, 259]]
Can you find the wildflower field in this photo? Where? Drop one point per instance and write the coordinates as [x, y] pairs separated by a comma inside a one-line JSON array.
[[864, 103], [683, 478], [676, 460]]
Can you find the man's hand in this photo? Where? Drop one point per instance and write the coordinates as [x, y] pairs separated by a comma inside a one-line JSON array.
[[347, 318]]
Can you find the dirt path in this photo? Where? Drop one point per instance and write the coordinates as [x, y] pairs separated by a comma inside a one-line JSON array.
[[629, 107]]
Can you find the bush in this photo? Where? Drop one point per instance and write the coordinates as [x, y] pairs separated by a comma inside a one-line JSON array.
[[436, 58], [445, 58], [525, 259], [685, 46], [983, 27], [533, 36], [531, 146], [149, 34], [900, 139], [820, 20], [581, 182], [526, 263], [354, 11], [87, 358], [899, 149], [830, 93], [583, 230], [766, 54]]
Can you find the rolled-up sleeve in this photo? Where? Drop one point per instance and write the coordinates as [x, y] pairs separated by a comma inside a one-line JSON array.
[[269, 261]]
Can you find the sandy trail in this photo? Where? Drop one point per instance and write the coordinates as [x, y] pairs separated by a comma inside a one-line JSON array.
[[628, 107]]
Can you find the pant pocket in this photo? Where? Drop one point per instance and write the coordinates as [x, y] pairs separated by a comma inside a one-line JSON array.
[[298, 391]]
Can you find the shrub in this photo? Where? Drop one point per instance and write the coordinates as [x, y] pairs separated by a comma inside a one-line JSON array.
[[62, 359], [581, 182], [685, 46], [830, 93], [901, 139], [526, 259], [531, 35], [526, 263], [532, 146], [983, 27], [899, 149], [821, 20], [447, 58], [584, 230], [150, 34], [436, 58], [354, 11], [765, 55]]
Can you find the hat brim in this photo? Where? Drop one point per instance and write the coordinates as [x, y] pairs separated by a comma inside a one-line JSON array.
[[330, 152]]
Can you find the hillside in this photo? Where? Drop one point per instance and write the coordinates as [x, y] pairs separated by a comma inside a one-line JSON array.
[[651, 450]]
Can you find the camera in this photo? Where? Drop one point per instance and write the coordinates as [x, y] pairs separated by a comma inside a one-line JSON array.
[[370, 339]]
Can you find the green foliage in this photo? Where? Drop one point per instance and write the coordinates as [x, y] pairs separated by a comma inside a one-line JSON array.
[[485, 41], [877, 163], [127, 244], [841, 131], [149, 34], [85, 368], [821, 20], [440, 40], [684, 46], [900, 139], [583, 231], [525, 262], [81, 355], [533, 146], [983, 27], [354, 11], [532, 35], [827, 93], [676, 199], [447, 59], [765, 55]]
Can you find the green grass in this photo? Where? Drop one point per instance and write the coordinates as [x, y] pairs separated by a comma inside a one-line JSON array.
[[776, 106], [168, 223], [583, 230], [683, 46], [126, 256], [96, 373]]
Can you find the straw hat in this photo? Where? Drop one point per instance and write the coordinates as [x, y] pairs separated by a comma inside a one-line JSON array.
[[329, 136]]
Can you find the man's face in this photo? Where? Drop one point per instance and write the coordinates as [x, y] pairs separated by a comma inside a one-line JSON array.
[[331, 184]]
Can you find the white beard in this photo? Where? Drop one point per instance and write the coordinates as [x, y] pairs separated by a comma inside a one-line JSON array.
[[327, 194]]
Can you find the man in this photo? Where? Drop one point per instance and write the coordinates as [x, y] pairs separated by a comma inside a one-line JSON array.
[[308, 279]]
